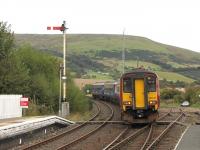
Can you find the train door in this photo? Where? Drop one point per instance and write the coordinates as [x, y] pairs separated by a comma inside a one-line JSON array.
[[139, 93]]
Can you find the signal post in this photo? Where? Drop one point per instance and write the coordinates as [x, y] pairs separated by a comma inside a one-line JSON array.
[[63, 104]]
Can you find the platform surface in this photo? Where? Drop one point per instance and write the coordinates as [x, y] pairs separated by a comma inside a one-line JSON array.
[[190, 139], [16, 126], [9, 121]]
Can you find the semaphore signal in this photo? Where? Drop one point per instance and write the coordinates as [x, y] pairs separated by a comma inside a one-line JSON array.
[[63, 29]]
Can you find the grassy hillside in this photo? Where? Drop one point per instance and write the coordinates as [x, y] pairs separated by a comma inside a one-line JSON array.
[[99, 55]]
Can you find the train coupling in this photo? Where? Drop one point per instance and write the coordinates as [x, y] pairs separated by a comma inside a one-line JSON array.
[[140, 113]]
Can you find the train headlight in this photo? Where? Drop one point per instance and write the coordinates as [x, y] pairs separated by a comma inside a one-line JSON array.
[[127, 103], [152, 103]]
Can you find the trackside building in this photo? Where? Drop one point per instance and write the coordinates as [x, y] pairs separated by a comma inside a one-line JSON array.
[[10, 106]]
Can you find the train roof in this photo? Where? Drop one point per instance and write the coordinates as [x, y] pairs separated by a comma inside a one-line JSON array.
[[98, 83], [106, 83], [111, 84], [139, 71], [114, 82]]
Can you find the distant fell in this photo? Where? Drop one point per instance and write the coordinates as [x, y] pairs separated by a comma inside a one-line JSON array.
[[103, 51], [80, 43]]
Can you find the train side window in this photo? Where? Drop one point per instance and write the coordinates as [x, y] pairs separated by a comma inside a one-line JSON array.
[[127, 86], [151, 84]]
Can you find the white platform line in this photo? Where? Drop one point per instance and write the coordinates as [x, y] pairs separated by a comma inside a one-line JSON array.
[[181, 137]]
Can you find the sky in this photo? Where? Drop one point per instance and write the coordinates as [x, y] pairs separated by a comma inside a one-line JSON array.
[[173, 22]]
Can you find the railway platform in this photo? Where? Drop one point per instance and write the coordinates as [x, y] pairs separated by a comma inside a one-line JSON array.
[[16, 126], [190, 139]]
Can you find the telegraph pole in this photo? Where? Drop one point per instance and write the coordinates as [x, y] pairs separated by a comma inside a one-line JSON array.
[[137, 62], [123, 52]]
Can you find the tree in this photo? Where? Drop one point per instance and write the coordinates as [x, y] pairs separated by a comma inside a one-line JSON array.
[[43, 70], [6, 40], [14, 76]]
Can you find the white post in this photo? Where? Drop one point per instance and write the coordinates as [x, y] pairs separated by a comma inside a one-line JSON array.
[[65, 104], [60, 91], [64, 63]]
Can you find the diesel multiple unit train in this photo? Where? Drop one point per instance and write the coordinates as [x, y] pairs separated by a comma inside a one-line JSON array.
[[137, 93]]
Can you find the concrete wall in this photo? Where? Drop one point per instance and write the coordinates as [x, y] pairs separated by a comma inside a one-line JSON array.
[[10, 106]]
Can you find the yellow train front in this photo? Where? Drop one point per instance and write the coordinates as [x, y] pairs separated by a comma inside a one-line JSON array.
[[139, 96]]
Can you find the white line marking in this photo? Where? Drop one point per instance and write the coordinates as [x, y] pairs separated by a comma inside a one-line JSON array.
[[181, 137]]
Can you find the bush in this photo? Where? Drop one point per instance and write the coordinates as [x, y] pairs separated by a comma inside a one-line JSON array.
[[169, 93], [179, 98], [192, 94], [78, 101]]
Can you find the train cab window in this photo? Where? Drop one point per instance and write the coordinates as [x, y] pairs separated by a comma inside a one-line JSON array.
[[127, 86], [151, 81]]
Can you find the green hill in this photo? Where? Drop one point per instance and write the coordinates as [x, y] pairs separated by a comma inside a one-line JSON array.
[[99, 55]]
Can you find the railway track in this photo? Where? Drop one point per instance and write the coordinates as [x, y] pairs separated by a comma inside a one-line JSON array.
[[63, 133], [68, 145], [86, 135], [151, 145], [141, 137], [87, 131]]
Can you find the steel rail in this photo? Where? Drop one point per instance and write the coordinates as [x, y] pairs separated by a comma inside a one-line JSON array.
[[148, 138], [50, 139], [124, 141], [164, 132], [117, 138], [85, 136], [151, 130], [163, 116], [135, 134]]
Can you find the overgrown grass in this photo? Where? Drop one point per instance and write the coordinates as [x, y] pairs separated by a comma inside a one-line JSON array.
[[80, 116], [168, 104], [173, 103], [197, 105]]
